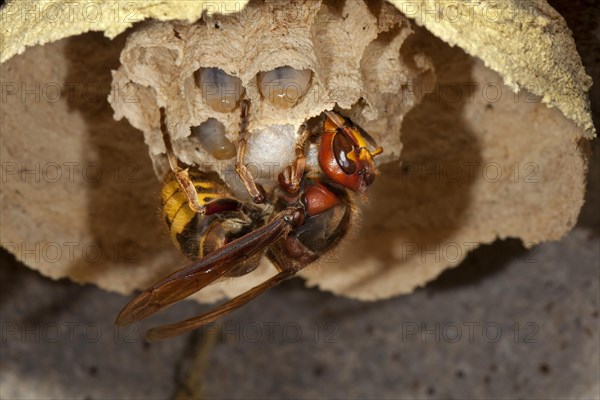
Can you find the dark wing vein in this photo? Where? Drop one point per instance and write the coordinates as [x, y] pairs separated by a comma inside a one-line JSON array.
[[201, 273], [167, 331]]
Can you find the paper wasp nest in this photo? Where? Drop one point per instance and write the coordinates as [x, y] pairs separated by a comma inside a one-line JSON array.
[[292, 62], [466, 160]]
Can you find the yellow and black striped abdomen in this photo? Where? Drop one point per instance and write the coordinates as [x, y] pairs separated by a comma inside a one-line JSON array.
[[188, 229]]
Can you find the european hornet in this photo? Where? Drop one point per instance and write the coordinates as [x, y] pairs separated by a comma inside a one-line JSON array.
[[306, 215]]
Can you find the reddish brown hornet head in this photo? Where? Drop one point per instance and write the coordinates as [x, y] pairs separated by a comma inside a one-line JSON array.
[[344, 155]]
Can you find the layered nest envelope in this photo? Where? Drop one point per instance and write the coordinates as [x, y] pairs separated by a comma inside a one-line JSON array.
[[481, 108]]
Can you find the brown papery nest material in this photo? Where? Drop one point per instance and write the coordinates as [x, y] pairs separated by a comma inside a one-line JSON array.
[[467, 160]]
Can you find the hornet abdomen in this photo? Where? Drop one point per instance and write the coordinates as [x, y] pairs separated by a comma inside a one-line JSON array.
[[196, 234]]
